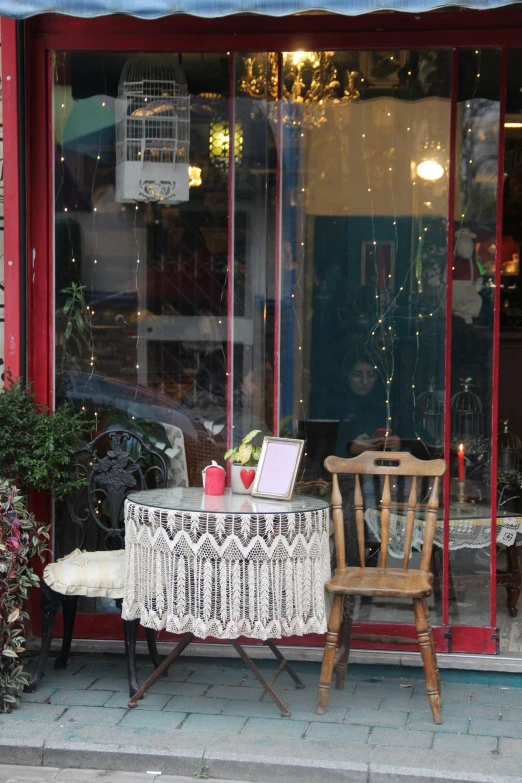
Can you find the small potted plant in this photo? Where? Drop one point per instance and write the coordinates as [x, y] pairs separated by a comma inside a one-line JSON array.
[[243, 462]]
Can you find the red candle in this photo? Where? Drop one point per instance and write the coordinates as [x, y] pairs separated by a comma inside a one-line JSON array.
[[214, 480], [462, 469]]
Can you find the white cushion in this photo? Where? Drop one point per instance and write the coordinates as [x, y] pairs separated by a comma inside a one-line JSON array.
[[93, 574]]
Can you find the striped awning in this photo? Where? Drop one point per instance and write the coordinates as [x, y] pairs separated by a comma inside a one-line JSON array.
[[153, 9]]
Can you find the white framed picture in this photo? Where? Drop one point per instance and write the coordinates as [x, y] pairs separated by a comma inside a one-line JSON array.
[[277, 469], [378, 265]]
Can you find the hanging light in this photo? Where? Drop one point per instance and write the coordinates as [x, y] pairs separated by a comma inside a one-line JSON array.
[[195, 177], [153, 130], [219, 142], [431, 166]]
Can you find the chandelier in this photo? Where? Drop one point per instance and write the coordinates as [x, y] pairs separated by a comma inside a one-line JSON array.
[[309, 80]]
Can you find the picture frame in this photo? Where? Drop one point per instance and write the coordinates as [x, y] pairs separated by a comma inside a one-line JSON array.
[[382, 68], [378, 264], [277, 468]]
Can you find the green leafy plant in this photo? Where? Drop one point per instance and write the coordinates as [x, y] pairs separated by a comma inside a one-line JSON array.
[[38, 444], [73, 312], [21, 539], [246, 453]]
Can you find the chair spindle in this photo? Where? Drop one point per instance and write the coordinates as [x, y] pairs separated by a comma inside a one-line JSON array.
[[338, 522], [410, 522], [385, 520], [431, 521], [359, 519]]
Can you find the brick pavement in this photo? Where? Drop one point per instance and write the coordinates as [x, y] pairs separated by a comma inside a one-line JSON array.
[[215, 714]]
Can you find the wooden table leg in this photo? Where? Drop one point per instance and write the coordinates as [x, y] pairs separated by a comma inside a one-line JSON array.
[[178, 649], [183, 643], [285, 712], [285, 665]]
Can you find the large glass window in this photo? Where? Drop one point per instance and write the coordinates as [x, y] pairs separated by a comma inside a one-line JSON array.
[[260, 241]]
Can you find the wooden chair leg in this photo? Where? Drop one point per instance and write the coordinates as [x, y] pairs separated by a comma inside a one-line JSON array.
[[325, 677], [69, 615], [344, 642], [429, 660], [432, 647]]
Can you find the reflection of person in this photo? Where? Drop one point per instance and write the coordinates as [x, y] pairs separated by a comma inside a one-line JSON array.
[[363, 427]]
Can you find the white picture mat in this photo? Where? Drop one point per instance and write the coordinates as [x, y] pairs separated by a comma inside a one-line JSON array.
[[278, 468]]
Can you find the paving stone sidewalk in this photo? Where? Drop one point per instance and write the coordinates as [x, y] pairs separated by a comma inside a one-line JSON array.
[[212, 719]]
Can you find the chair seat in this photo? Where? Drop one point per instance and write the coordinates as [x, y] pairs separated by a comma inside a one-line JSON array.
[[92, 574], [381, 582]]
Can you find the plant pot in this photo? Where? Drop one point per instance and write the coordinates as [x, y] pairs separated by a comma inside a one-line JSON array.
[[242, 478]]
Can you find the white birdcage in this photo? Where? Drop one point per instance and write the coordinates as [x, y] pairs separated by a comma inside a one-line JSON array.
[[152, 130], [467, 420]]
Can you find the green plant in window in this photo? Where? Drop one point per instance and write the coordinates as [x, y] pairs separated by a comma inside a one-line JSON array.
[[71, 325], [246, 453]]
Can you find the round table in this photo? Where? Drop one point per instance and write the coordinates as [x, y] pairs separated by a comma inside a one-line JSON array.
[[226, 566], [469, 526]]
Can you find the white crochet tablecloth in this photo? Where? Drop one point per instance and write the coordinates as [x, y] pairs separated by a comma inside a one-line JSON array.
[[226, 566], [469, 528]]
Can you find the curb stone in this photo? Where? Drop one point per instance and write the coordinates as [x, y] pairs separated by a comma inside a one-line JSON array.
[[247, 767]]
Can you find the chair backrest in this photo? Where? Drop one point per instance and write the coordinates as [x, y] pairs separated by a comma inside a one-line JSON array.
[[201, 448], [378, 463], [115, 463]]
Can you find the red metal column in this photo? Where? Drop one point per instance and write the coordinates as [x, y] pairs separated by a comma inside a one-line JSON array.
[[12, 260], [447, 370], [278, 241], [231, 228], [496, 344]]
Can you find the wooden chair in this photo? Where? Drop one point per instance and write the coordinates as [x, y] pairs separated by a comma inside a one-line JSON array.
[[381, 582]]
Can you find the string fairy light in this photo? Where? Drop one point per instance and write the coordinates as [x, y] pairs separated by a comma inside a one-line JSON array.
[[61, 72]]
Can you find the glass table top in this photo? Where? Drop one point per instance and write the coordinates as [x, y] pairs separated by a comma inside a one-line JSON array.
[[194, 499]]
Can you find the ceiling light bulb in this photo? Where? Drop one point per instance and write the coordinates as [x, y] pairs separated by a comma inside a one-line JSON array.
[[430, 170]]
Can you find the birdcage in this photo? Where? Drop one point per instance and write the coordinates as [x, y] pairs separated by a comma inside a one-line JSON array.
[[509, 446], [430, 414], [467, 419], [152, 130]]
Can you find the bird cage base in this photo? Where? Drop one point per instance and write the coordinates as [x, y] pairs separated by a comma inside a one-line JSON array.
[[137, 181]]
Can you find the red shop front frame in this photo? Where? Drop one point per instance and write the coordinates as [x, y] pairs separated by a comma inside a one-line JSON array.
[[44, 34]]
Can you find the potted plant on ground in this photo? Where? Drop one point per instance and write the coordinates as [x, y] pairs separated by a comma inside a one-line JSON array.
[[243, 462], [36, 453], [21, 538]]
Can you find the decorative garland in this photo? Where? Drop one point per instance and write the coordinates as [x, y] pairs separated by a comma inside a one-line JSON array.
[[21, 538]]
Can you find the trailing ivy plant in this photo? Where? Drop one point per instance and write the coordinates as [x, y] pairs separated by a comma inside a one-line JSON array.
[[37, 445], [21, 539]]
